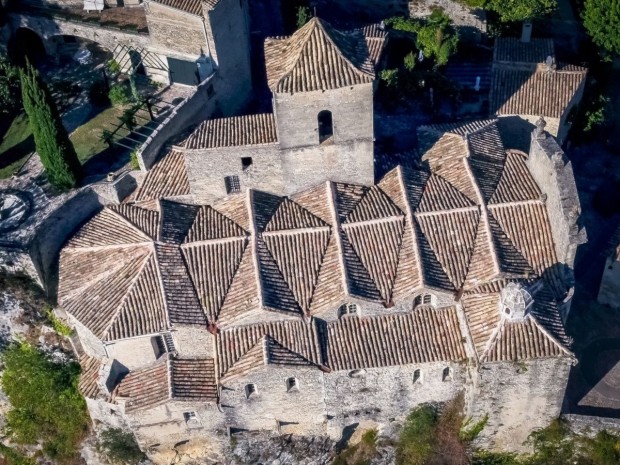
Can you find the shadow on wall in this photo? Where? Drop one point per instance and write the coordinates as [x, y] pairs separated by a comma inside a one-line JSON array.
[[516, 133], [54, 232]]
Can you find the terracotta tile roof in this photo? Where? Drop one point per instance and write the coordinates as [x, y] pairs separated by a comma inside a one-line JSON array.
[[422, 336], [512, 50], [243, 348], [189, 6], [236, 131], [168, 379], [319, 57], [167, 178], [89, 377], [468, 220], [537, 93], [523, 340]]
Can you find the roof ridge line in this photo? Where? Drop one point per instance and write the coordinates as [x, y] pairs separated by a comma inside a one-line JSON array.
[[126, 220], [331, 200], [493, 339], [447, 212], [284, 232], [516, 203], [253, 242], [549, 335], [387, 219], [105, 332], [329, 37], [409, 218]]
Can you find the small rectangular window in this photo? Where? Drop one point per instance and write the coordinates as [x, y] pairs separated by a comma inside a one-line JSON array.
[[246, 162], [233, 186], [292, 385], [250, 390], [189, 416]]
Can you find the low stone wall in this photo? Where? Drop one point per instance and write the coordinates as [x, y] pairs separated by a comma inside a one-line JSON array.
[[192, 110]]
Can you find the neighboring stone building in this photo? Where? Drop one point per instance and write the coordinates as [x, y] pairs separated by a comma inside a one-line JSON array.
[[609, 291], [527, 83], [337, 304], [321, 129]]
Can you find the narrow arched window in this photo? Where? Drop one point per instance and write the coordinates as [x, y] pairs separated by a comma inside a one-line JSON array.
[[326, 126], [250, 390], [447, 374], [292, 385], [417, 376]]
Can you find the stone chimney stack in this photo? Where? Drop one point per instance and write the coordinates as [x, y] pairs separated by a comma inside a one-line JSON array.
[[526, 32]]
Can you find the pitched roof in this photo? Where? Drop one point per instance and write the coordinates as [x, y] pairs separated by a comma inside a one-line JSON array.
[[470, 216], [167, 178], [168, 379], [193, 7], [541, 92], [422, 336], [236, 131], [319, 57], [512, 50]]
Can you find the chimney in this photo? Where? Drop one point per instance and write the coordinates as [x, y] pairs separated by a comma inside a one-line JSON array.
[[526, 32]]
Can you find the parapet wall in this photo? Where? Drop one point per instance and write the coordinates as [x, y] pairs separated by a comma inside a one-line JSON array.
[[553, 173], [191, 111]]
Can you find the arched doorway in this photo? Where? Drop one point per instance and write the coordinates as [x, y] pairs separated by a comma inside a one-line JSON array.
[[26, 43]]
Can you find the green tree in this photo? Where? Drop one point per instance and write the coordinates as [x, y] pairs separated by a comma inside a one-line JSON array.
[[521, 10], [46, 406], [10, 87], [303, 15], [119, 447], [602, 21], [50, 136]]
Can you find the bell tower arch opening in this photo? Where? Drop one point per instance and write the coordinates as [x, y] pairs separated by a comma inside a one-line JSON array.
[[326, 126]]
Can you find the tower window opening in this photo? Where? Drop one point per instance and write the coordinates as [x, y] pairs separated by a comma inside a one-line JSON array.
[[417, 376], [348, 309], [233, 186], [292, 385], [447, 374], [326, 126], [246, 162], [250, 390]]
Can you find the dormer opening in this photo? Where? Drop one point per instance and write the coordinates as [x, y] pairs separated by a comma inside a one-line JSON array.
[[425, 299], [326, 126], [348, 309]]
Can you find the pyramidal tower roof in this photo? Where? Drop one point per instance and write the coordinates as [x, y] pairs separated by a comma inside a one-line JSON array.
[[319, 57]]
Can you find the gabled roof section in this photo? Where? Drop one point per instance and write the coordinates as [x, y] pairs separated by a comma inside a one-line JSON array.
[[234, 131], [167, 178], [513, 50], [319, 57]]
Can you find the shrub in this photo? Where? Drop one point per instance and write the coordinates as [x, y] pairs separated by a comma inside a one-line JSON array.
[[469, 433], [119, 447], [10, 87], [128, 118], [59, 326], [14, 457], [601, 19], [409, 61], [133, 160], [415, 443], [113, 67], [46, 406], [98, 94], [120, 94], [552, 445]]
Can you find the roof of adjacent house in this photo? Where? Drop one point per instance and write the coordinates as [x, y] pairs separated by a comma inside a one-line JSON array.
[[168, 379], [236, 131], [542, 92], [523, 83], [513, 50], [320, 57], [466, 222], [193, 7]]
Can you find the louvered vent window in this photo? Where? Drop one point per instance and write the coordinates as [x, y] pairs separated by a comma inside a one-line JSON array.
[[348, 309], [163, 344], [233, 186], [424, 299]]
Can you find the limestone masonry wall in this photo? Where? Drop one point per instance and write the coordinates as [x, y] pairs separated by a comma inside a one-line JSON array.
[[518, 398], [174, 30], [553, 173]]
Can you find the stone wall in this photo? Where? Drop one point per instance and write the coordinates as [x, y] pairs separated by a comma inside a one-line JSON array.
[[387, 394], [470, 22], [553, 173], [90, 343], [133, 353], [609, 292], [187, 113], [518, 397], [47, 28], [175, 30], [194, 342], [206, 170], [300, 411]]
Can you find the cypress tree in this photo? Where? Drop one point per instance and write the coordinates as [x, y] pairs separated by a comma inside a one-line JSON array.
[[50, 136]]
